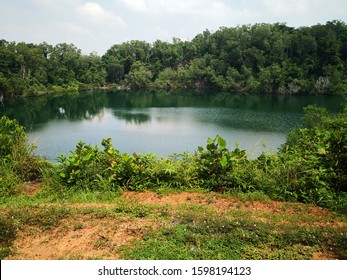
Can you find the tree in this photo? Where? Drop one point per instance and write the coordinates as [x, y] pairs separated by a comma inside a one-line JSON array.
[[139, 76], [261, 57]]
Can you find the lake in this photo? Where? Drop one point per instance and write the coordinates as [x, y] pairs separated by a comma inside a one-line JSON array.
[[160, 122]]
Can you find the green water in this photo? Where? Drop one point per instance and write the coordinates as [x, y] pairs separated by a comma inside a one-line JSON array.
[[160, 122]]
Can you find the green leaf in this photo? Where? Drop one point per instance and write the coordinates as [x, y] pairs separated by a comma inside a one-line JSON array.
[[222, 143], [210, 141], [87, 157], [223, 161], [211, 147], [321, 151]]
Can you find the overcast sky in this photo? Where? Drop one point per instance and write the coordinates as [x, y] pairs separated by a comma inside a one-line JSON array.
[[96, 25]]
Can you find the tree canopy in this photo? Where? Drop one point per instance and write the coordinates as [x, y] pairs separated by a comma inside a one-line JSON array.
[[268, 58]]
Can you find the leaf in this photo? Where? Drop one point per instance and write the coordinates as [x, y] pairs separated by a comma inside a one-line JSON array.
[[223, 161], [211, 147], [87, 157], [321, 151], [210, 141], [222, 143]]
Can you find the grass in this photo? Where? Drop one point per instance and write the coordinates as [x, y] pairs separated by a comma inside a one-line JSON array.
[[197, 234], [195, 228], [7, 235]]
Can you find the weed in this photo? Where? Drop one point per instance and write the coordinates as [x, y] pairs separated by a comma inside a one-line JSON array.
[[45, 217], [102, 242], [211, 200], [78, 226], [9, 180], [75, 256], [205, 235], [252, 196], [7, 235], [137, 210]]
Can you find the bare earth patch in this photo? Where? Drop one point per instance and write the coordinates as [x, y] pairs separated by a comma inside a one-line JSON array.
[[218, 202], [84, 238]]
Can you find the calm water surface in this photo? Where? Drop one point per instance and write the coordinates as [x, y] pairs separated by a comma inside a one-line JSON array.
[[160, 122]]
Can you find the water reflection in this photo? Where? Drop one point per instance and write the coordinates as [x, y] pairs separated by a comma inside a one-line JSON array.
[[158, 121], [84, 106], [74, 107], [132, 117]]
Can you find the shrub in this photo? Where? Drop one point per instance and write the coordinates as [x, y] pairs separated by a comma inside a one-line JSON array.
[[16, 152], [86, 168], [9, 181], [12, 137], [215, 165], [321, 146], [7, 235], [90, 168]]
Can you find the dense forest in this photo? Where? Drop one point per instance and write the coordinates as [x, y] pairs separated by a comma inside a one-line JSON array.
[[268, 58]]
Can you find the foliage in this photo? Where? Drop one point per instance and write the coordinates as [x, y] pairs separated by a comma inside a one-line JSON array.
[[139, 76], [321, 146], [270, 58], [17, 161], [216, 164], [311, 166], [7, 235], [12, 135], [9, 180], [90, 168]]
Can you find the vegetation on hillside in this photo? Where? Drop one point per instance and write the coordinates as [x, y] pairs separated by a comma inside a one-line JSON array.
[[268, 58]]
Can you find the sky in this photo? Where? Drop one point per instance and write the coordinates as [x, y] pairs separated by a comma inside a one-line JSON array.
[[96, 25]]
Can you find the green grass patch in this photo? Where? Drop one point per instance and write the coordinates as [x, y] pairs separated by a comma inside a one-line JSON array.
[[7, 235], [44, 217], [199, 234]]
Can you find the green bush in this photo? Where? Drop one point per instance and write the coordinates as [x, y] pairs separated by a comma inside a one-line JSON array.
[[12, 137], [9, 180], [311, 167], [90, 168], [7, 235], [16, 152], [321, 144], [215, 164]]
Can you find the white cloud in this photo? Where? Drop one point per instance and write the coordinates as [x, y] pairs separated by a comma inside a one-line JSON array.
[[161, 33], [73, 28], [178, 7], [55, 4], [137, 5], [93, 12], [284, 8]]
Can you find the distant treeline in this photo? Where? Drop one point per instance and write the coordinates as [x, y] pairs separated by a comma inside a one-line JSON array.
[[268, 58]]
